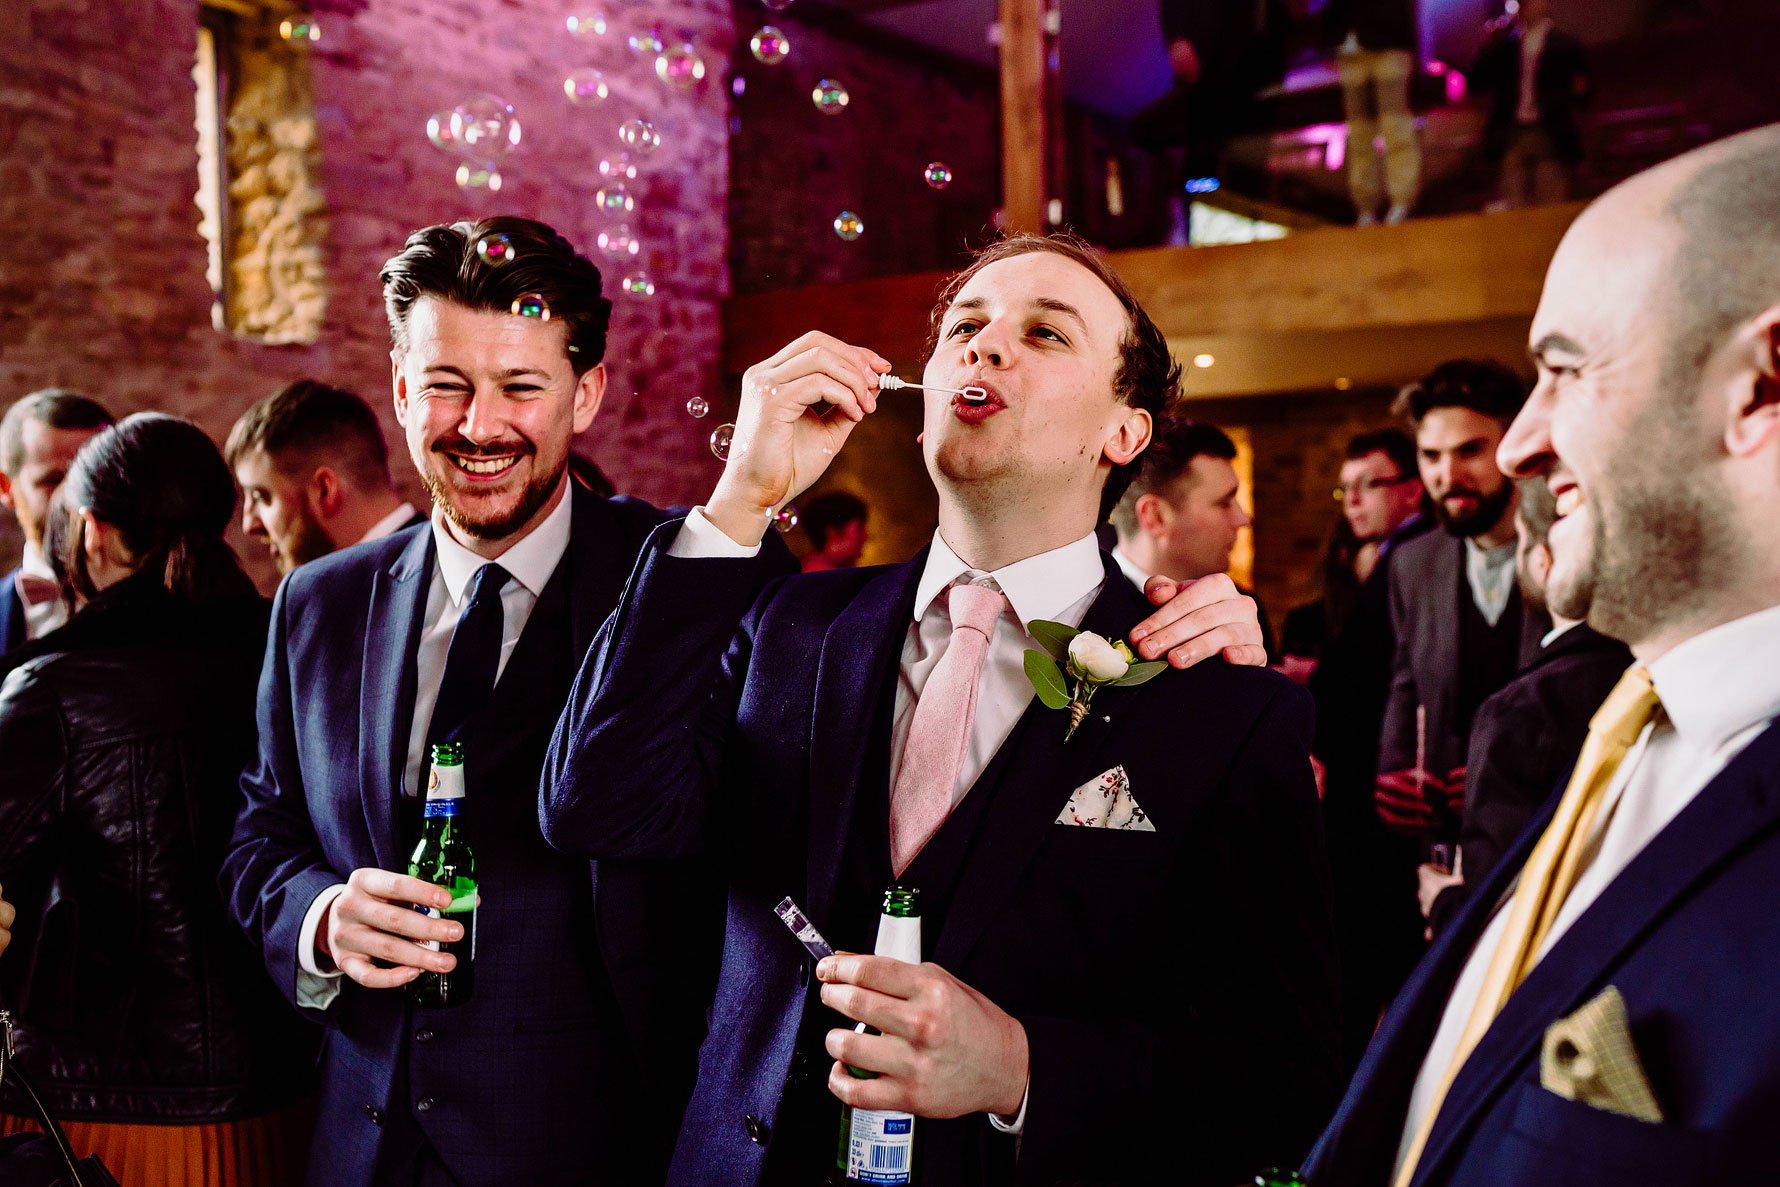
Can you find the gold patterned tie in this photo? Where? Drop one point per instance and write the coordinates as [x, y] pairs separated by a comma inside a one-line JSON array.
[[1549, 875]]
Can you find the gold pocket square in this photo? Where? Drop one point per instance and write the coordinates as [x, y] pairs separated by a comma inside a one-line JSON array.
[[1589, 1058], [1105, 801]]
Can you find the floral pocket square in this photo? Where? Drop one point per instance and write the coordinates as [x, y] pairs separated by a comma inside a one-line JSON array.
[[1105, 801]]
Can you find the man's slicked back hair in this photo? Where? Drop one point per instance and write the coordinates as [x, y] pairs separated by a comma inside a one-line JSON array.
[[54, 407], [443, 261], [1176, 443], [1147, 378], [309, 424], [1482, 385]]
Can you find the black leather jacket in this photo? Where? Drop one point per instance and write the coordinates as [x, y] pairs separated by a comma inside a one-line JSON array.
[[122, 739]]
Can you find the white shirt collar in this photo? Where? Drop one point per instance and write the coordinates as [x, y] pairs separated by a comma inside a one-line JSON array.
[[1556, 633], [33, 562], [1041, 586], [1129, 567], [1722, 681], [388, 525], [530, 561]]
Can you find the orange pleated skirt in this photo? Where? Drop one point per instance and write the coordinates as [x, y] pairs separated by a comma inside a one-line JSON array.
[[268, 1151]]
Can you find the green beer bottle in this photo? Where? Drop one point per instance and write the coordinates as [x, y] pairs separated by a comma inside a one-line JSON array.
[[1275, 1176], [443, 858], [879, 1147]]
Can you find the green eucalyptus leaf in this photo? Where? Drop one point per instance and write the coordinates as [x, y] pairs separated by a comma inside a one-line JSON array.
[[1138, 673], [1047, 681], [1054, 637]]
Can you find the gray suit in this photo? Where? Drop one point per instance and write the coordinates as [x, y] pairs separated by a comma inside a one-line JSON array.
[[1426, 577]]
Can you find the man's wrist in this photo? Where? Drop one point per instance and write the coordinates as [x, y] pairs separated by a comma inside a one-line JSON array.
[[739, 519], [1012, 1099]]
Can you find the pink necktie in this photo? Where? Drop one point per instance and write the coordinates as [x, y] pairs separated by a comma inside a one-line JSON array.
[[934, 749]]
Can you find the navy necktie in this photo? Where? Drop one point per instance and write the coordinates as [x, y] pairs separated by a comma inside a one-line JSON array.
[[471, 661]]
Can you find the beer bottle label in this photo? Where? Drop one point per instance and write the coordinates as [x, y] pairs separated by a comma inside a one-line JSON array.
[[430, 913], [880, 1148]]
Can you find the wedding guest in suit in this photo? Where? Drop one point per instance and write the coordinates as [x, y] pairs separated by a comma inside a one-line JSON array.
[[572, 1061], [314, 474], [1181, 515], [39, 436], [142, 1015], [568, 1063], [1149, 999], [1536, 76], [1462, 629], [1527, 735], [1603, 1007]]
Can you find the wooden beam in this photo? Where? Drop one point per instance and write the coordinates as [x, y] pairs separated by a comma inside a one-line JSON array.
[[1287, 314], [1023, 128]]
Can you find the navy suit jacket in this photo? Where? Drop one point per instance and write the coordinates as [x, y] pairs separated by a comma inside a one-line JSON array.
[[1689, 935], [1177, 987], [584, 974], [12, 613]]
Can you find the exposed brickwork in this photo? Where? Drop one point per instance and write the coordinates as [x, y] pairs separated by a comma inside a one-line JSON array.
[[102, 282]]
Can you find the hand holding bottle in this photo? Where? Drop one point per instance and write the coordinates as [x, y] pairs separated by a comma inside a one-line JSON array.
[[376, 918]]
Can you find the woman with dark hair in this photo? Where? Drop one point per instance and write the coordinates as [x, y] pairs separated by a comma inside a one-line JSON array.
[[143, 1014]]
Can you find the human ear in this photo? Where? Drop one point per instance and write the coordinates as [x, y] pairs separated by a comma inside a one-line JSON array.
[[399, 388], [590, 390], [325, 492], [1754, 416], [1129, 437]]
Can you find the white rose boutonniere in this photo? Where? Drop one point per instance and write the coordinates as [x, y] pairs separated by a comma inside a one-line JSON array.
[[1084, 657]]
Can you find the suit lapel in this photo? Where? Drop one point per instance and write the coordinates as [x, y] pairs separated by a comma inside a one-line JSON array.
[[1446, 658], [386, 690], [12, 613], [600, 562], [1036, 780], [1739, 806], [860, 646]]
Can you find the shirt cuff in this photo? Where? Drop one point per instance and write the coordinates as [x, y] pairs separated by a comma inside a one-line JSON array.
[[316, 990], [699, 539], [1017, 1122]]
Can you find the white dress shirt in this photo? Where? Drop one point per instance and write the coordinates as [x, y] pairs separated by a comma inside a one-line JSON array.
[[1058, 585], [390, 524], [1719, 691], [1129, 567], [1491, 575], [530, 562], [40, 617]]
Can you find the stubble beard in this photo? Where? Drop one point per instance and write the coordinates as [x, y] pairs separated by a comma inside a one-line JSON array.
[[536, 493]]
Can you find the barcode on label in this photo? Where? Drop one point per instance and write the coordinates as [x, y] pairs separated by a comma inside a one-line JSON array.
[[889, 1158]]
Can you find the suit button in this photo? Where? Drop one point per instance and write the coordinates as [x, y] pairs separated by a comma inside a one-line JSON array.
[[423, 1104], [425, 1036], [758, 1130], [374, 1115]]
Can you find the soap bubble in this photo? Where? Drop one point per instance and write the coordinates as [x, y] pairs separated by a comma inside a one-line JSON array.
[[775, 5], [680, 67], [784, 519], [618, 167], [530, 305], [585, 88], [300, 27], [721, 438], [614, 199], [485, 127], [848, 226], [646, 43], [769, 45], [619, 241], [830, 97], [639, 136], [938, 176], [588, 22], [438, 130], [494, 249], [483, 176], [638, 284], [698, 407]]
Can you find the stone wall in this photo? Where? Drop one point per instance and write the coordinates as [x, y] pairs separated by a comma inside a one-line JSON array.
[[102, 281]]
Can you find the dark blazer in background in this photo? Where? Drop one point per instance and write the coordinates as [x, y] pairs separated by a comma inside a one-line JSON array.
[[1689, 936], [1380, 24], [12, 613], [1525, 739], [1427, 575], [569, 1063], [1177, 986], [1560, 88]]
